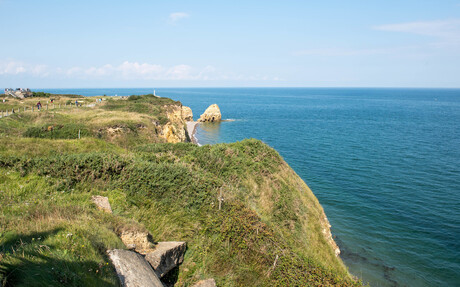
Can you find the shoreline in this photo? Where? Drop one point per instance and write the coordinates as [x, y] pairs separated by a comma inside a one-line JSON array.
[[191, 130]]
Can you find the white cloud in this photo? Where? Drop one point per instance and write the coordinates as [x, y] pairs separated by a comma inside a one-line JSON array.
[[446, 30], [174, 17], [12, 67], [145, 70], [180, 72], [142, 71], [127, 71]]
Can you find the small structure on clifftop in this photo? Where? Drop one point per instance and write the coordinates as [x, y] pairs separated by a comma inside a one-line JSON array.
[[212, 114]]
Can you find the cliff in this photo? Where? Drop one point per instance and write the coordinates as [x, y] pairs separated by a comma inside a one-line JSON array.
[[246, 216]]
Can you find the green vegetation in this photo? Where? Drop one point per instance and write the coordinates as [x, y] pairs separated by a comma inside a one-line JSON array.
[[146, 104], [49, 95], [53, 235]]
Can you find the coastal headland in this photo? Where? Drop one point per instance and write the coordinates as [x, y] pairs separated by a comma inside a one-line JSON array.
[[246, 217]]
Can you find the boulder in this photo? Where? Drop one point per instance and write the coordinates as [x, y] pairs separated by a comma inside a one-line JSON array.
[[166, 256], [102, 202], [205, 283], [133, 270], [137, 240], [212, 114], [187, 114]]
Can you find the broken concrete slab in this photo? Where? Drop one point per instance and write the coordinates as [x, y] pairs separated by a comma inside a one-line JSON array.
[[166, 256], [133, 270], [102, 202], [205, 283]]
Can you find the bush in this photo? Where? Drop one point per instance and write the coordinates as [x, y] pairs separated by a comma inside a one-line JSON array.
[[67, 131]]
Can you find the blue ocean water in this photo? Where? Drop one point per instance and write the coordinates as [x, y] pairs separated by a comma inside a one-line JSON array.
[[384, 164]]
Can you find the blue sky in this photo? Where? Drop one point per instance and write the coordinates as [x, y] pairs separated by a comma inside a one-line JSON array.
[[78, 44]]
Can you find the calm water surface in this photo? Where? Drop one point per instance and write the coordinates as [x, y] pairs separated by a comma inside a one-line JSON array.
[[384, 163]]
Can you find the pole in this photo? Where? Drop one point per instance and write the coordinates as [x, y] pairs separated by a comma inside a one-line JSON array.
[[220, 198], [78, 134]]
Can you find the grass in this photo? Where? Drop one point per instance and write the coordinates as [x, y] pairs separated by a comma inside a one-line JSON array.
[[115, 121], [267, 214]]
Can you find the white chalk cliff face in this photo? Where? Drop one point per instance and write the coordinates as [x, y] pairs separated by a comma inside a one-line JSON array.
[[212, 114]]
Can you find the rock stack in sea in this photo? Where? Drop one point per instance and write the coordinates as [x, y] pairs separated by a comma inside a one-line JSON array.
[[212, 114]]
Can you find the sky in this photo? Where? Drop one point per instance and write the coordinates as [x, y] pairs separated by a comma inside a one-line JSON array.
[[329, 43]]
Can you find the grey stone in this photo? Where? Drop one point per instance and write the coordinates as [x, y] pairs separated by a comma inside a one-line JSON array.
[[137, 240], [166, 256], [102, 202], [133, 270], [205, 283]]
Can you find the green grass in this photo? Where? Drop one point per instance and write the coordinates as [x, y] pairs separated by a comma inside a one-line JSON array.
[[51, 236], [146, 104], [172, 190]]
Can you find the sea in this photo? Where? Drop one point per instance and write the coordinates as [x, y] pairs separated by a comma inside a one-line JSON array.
[[384, 164]]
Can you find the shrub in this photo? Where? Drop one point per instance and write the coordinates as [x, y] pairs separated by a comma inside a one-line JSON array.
[[67, 131]]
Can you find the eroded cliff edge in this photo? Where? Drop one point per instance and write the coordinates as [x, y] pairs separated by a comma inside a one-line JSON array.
[[247, 217]]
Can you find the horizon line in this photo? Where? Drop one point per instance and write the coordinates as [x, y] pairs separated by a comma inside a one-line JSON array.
[[249, 87]]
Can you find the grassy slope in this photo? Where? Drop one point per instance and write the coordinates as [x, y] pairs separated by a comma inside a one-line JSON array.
[[50, 227]]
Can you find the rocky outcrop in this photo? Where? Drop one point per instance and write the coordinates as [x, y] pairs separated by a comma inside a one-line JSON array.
[[171, 134], [205, 283], [212, 114], [166, 256], [136, 240], [174, 130], [133, 270], [327, 233], [102, 202], [187, 114]]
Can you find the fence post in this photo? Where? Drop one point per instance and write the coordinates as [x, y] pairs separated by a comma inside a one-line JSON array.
[[6, 112], [25, 108], [59, 105], [221, 198], [78, 134], [12, 110], [46, 106]]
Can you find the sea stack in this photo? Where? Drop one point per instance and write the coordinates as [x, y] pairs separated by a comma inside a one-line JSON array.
[[212, 114]]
